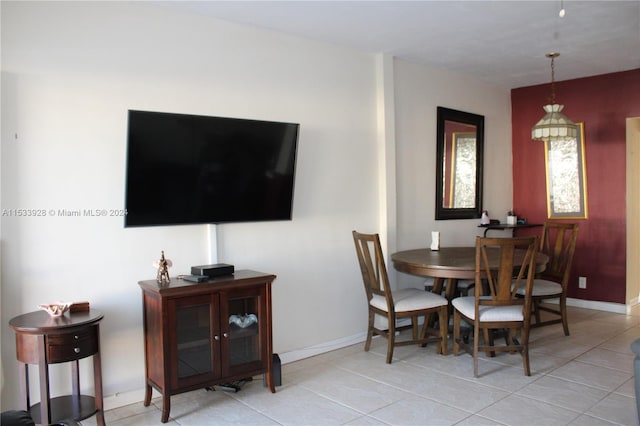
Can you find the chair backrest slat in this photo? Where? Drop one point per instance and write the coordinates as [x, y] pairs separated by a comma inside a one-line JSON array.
[[504, 264], [372, 266], [559, 243]]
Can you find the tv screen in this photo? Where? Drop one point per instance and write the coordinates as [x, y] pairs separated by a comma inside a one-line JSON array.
[[191, 169]]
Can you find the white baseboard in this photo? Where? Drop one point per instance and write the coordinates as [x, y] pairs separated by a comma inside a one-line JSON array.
[[617, 308], [121, 399], [303, 353]]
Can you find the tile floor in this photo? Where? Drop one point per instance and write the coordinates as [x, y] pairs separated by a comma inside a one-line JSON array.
[[583, 379]]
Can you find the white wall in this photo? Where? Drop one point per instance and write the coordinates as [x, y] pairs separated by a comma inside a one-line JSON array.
[[419, 91], [70, 71]]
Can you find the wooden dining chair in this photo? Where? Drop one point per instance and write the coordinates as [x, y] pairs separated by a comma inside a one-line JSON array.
[[559, 243], [498, 260], [396, 304]]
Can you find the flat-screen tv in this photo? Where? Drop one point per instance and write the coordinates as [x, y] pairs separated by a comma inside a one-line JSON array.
[[191, 169]]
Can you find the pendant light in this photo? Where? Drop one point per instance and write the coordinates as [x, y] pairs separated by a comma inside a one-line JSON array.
[[554, 126]]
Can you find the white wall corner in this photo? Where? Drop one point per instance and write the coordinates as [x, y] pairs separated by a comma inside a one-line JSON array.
[[385, 102]]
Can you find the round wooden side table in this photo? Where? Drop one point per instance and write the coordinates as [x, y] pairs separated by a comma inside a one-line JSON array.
[[42, 340]]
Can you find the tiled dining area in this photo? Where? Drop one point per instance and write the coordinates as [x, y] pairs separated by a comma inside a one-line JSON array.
[[582, 379]]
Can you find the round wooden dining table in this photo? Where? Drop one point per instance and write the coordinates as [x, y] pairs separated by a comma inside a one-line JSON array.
[[450, 263]]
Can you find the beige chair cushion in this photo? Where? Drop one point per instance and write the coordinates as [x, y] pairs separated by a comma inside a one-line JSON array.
[[409, 299], [467, 306], [542, 288]]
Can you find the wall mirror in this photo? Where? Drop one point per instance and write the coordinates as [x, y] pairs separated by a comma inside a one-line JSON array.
[[460, 144]]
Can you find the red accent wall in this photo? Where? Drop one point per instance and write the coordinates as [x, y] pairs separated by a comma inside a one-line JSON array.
[[602, 103]]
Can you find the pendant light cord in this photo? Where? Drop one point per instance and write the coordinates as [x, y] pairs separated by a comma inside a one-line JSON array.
[[553, 56], [553, 82]]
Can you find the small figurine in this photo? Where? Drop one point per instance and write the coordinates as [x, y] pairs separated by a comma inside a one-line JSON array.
[[163, 269], [484, 220]]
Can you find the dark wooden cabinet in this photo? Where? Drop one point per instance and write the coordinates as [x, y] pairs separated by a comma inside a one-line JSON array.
[[201, 334]]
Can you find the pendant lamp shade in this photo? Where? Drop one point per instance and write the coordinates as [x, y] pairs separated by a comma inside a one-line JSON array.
[[554, 126]]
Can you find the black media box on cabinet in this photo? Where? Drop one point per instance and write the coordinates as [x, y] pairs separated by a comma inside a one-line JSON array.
[[211, 271], [195, 278]]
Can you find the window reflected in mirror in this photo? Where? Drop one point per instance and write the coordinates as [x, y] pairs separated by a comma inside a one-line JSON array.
[[460, 175]]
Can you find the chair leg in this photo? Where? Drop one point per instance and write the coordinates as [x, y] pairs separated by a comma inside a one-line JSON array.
[[414, 328], [392, 338], [476, 344], [367, 344], [488, 341], [563, 313], [428, 318], [525, 352], [536, 310], [444, 331], [456, 332]]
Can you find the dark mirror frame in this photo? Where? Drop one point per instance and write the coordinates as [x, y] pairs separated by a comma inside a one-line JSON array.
[[446, 114]]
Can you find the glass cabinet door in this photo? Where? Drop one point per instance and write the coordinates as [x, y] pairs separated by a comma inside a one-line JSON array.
[[196, 346], [245, 312]]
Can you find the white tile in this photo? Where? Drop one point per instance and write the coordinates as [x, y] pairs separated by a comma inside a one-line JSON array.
[[516, 410], [560, 348], [617, 409], [365, 420], [585, 420], [508, 376], [338, 354], [539, 363], [353, 390], [563, 393], [149, 418], [476, 420], [628, 388], [124, 412], [622, 342], [419, 411], [203, 408], [617, 319], [295, 405], [304, 364], [227, 412], [609, 359], [591, 375]]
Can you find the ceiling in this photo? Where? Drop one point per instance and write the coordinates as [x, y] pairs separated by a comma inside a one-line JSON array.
[[500, 42]]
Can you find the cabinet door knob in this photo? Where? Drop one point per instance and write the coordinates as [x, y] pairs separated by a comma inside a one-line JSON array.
[[216, 337], [76, 350], [225, 335]]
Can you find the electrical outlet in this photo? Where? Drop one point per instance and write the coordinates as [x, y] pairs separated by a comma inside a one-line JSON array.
[[582, 282]]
